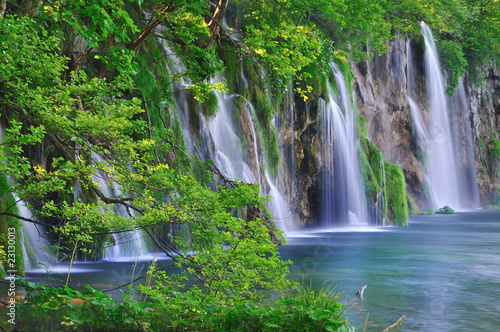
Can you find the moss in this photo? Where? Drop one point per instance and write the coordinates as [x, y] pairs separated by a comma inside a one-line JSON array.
[[413, 207], [210, 105], [396, 194], [265, 112], [362, 125], [231, 64], [371, 158], [495, 149]]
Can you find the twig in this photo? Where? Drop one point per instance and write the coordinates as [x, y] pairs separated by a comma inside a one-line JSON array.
[[366, 322], [397, 324]]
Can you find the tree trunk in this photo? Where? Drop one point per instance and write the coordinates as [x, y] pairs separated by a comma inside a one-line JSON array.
[[3, 6], [215, 22]]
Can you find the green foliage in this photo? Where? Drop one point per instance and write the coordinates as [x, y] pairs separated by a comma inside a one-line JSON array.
[[445, 210], [453, 57], [49, 308], [396, 194], [495, 149], [429, 212], [303, 309], [412, 206]]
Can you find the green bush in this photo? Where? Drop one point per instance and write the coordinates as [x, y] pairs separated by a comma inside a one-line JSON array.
[[445, 210], [495, 150], [66, 309], [304, 309]]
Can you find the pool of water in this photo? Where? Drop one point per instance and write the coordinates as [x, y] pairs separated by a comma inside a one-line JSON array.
[[442, 271]]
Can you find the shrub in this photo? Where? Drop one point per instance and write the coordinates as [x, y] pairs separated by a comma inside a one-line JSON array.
[[495, 150], [303, 309], [445, 210]]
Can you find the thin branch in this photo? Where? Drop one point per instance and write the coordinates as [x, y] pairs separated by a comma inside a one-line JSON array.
[[24, 219]]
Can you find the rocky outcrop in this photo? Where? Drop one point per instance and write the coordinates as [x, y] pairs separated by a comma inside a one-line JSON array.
[[300, 163], [484, 107], [381, 97]]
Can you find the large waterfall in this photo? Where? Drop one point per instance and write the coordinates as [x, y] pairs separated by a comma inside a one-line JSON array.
[[344, 199], [448, 182]]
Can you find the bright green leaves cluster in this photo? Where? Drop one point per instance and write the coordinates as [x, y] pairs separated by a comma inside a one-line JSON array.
[[234, 262], [286, 47], [95, 21], [20, 40]]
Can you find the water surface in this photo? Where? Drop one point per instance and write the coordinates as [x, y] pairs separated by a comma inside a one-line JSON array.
[[442, 271]]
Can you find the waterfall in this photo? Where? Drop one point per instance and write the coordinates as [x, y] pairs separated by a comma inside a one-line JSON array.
[[229, 156], [278, 207], [446, 180], [469, 193], [416, 113], [34, 247], [127, 245], [180, 93], [343, 196]]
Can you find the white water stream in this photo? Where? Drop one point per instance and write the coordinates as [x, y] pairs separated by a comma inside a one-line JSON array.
[[449, 183], [344, 199]]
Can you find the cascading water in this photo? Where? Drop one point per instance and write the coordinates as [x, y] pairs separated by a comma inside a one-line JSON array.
[[343, 196], [228, 153], [278, 207], [179, 85], [445, 179], [127, 245], [230, 157], [420, 128], [34, 247], [469, 193]]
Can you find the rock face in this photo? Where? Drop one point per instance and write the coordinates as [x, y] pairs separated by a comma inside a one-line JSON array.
[[300, 164], [484, 107], [381, 97], [380, 89]]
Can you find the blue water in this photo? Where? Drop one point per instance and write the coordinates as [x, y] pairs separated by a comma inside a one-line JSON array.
[[442, 271]]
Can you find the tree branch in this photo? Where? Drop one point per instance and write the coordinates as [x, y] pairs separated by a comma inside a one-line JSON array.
[[397, 324], [24, 219]]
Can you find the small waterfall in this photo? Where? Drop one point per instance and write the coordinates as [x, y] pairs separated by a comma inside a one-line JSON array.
[[229, 156], [278, 207], [343, 197], [179, 84], [446, 180], [469, 193], [416, 112], [127, 245], [35, 248]]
